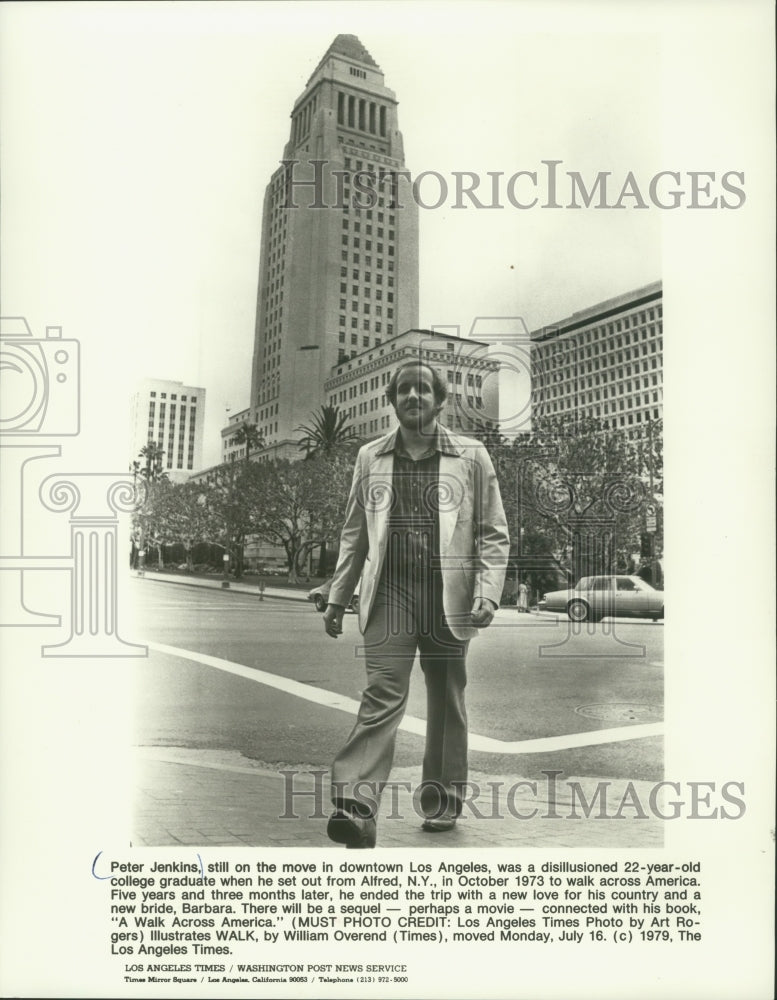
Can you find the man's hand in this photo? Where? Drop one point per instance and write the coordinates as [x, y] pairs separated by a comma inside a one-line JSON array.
[[483, 612], [333, 620]]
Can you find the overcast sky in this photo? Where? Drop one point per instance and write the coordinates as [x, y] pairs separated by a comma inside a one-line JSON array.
[[139, 139]]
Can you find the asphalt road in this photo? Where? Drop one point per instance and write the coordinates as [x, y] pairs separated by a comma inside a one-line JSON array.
[[530, 677]]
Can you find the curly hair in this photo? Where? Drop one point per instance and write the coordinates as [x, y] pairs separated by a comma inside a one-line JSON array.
[[439, 385]]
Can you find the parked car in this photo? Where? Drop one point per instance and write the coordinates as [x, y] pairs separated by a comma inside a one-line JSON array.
[[596, 597], [320, 596]]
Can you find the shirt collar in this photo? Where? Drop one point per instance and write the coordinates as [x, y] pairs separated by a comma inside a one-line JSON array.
[[442, 442]]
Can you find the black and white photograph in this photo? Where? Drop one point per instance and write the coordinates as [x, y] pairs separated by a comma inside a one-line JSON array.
[[372, 377]]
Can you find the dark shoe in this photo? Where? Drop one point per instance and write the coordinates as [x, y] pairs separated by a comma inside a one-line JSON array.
[[351, 829], [442, 824]]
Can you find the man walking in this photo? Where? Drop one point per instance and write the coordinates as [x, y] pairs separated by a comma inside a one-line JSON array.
[[426, 532]]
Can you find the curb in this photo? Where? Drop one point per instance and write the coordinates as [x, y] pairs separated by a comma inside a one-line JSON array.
[[213, 585]]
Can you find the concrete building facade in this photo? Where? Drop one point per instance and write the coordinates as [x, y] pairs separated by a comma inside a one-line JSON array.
[[231, 448], [604, 362], [339, 251], [358, 385], [171, 415]]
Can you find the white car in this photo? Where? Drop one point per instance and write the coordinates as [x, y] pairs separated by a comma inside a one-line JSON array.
[[597, 597], [320, 596]]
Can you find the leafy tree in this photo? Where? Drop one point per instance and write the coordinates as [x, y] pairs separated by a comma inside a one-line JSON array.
[[491, 437], [151, 521], [331, 477], [574, 494], [326, 432], [226, 507], [186, 517], [299, 505], [216, 511]]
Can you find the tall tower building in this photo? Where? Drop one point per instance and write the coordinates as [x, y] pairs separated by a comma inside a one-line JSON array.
[[338, 269]]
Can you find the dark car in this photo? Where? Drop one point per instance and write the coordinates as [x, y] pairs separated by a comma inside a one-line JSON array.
[[320, 596]]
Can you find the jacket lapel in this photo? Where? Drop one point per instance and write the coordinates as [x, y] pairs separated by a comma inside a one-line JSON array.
[[454, 495], [378, 498]]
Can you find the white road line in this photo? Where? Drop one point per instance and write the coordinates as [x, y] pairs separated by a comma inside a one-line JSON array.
[[247, 610], [485, 744]]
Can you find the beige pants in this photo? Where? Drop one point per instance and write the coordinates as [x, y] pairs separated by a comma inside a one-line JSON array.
[[405, 620]]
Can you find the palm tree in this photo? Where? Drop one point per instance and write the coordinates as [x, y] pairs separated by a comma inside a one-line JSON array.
[[153, 468], [326, 431], [249, 435]]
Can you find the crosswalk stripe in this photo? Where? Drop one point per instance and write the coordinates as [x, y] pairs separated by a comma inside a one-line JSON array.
[[410, 724]]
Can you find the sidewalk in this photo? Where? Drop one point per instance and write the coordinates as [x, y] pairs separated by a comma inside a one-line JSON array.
[[220, 799], [214, 583], [284, 594]]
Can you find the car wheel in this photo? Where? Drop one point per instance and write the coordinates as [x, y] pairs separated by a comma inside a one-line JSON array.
[[319, 602], [355, 605], [578, 611]]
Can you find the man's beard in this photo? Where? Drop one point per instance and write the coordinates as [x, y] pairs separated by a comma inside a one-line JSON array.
[[412, 419]]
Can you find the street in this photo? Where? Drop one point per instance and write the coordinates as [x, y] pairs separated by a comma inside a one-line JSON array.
[[530, 679]]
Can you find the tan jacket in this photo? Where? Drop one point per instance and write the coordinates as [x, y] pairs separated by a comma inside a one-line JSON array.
[[474, 543]]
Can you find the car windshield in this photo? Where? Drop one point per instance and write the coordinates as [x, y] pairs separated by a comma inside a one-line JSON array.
[[585, 583]]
